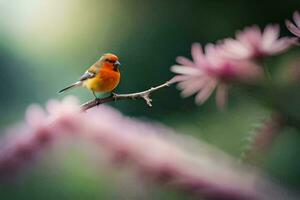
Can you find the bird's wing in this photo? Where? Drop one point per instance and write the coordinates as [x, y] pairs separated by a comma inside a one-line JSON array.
[[90, 73], [87, 75]]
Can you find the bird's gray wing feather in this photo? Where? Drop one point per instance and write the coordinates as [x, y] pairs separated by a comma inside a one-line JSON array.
[[87, 75]]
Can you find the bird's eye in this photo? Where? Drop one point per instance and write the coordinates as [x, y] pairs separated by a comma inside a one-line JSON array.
[[109, 60]]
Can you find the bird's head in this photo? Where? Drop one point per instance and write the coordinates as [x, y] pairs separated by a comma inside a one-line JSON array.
[[111, 61]]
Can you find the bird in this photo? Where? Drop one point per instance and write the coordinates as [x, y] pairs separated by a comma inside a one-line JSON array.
[[103, 76]]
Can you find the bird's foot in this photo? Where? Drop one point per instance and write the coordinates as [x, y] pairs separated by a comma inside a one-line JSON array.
[[114, 94]]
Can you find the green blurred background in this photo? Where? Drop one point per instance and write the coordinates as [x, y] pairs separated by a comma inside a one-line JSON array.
[[45, 45]]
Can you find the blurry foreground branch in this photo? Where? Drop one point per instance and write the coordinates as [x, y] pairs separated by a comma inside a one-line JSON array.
[[145, 95]]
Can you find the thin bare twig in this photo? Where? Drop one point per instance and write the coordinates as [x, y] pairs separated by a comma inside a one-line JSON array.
[[145, 95]]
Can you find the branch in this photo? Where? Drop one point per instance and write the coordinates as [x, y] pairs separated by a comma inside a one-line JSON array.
[[145, 95]]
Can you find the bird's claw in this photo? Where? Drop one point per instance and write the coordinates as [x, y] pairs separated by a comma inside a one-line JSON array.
[[113, 95], [97, 99]]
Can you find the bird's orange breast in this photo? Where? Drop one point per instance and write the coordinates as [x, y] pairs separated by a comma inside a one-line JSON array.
[[105, 81]]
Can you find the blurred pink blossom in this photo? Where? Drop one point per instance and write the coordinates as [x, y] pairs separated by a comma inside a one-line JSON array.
[[26, 142], [210, 70], [294, 27], [252, 43], [156, 151]]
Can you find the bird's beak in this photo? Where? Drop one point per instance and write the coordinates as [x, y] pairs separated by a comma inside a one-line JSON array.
[[117, 64]]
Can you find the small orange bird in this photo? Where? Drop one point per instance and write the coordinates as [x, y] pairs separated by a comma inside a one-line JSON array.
[[103, 76]]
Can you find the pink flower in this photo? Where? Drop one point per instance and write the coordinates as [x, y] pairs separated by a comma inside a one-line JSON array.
[[152, 150], [24, 144], [193, 78], [209, 71], [294, 28], [252, 43]]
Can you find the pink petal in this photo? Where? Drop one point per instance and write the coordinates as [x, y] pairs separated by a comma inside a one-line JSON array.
[[205, 93], [212, 54], [184, 61], [296, 18], [250, 37], [179, 78], [197, 53], [192, 87], [235, 49], [270, 35], [185, 70], [282, 45], [295, 30], [188, 83]]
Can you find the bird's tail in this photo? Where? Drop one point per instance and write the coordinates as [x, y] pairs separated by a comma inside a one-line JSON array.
[[70, 87]]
